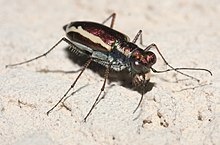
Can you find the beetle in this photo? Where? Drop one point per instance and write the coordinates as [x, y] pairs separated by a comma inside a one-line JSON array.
[[112, 49]]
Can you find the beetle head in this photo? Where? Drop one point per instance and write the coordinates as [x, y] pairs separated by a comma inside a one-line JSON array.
[[141, 62]]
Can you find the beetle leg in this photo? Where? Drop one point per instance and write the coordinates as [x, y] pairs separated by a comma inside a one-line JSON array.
[[172, 68], [102, 90], [44, 54], [112, 16], [144, 85], [72, 86]]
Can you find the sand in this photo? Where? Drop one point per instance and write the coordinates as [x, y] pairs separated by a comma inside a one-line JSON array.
[[176, 110]]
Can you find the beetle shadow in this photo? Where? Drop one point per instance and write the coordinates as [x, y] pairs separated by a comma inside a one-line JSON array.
[[123, 77]]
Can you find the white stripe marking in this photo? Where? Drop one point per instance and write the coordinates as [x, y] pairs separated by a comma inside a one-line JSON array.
[[88, 35]]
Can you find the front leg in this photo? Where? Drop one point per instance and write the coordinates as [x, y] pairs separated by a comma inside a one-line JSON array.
[[172, 68]]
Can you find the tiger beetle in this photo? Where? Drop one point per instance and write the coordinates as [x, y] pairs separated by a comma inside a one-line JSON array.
[[115, 51]]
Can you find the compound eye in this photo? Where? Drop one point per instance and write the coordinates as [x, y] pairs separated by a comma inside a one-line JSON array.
[[137, 66], [150, 58]]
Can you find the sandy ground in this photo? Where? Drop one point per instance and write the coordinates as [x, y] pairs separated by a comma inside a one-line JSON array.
[[177, 110]]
